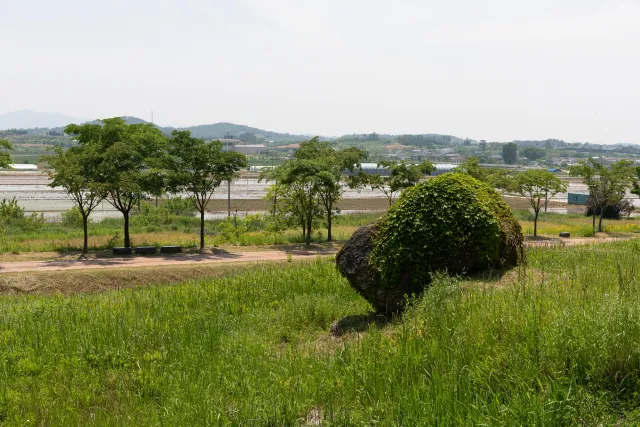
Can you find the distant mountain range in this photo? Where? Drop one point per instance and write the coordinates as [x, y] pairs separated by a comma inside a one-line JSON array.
[[26, 119]]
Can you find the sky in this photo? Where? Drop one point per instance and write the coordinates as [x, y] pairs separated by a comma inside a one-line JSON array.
[[496, 70]]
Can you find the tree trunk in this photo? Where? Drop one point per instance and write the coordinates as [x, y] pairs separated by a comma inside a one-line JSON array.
[[535, 224], [600, 221], [156, 201], [127, 241], [546, 200], [275, 204], [85, 244], [329, 222], [201, 229], [593, 222], [229, 199], [309, 219]]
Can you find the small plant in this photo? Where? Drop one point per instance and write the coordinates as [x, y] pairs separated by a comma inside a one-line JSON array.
[[235, 227], [115, 241], [10, 210]]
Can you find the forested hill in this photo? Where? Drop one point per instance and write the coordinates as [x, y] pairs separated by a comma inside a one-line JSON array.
[[224, 130]]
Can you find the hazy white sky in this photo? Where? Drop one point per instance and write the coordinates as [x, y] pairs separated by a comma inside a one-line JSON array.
[[492, 69]]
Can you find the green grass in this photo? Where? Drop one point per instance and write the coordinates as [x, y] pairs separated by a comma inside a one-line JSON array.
[[551, 224], [158, 229], [556, 342], [154, 231]]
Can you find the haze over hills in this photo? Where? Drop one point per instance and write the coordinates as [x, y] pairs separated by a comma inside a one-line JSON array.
[[40, 123], [26, 119]]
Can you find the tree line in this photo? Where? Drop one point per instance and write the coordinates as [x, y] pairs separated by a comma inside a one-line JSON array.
[[607, 185], [306, 189], [123, 164]]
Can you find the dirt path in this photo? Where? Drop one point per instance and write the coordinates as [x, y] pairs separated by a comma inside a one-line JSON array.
[[574, 241], [141, 261], [223, 257]]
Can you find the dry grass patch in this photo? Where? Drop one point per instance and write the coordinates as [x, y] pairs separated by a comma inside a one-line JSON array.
[[100, 280]]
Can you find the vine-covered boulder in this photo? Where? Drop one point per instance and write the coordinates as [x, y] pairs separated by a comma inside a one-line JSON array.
[[452, 223]]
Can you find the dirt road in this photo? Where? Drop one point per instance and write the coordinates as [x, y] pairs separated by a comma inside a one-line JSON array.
[[141, 261], [222, 257]]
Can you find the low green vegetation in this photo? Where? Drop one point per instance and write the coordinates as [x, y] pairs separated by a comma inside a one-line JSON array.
[[554, 342], [171, 223]]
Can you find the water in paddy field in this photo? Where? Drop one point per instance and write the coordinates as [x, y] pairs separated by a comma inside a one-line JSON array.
[[34, 194]]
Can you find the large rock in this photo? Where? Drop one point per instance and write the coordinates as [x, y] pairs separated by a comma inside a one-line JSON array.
[[353, 262], [452, 223]]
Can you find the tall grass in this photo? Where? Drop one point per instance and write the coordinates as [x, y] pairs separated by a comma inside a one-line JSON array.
[[555, 342]]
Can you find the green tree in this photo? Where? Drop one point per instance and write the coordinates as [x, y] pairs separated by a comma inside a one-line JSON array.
[[401, 176], [533, 153], [5, 156], [536, 186], [471, 166], [331, 164], [302, 198], [498, 178], [76, 171], [127, 155], [636, 183], [510, 153], [607, 186], [198, 168]]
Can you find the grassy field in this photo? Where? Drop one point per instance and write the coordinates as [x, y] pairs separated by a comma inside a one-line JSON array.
[[555, 342], [551, 224], [173, 230]]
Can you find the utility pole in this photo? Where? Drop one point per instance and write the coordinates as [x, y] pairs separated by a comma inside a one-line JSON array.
[[229, 198]]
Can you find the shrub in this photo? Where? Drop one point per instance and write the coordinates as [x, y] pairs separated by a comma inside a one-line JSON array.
[[72, 217], [452, 223], [10, 210], [180, 207], [611, 211], [32, 222], [12, 215], [150, 215]]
